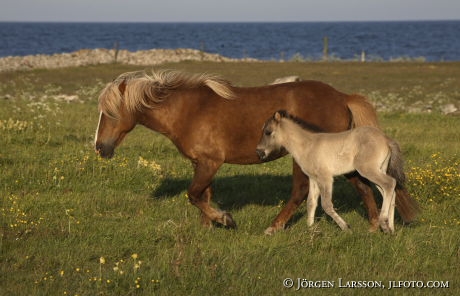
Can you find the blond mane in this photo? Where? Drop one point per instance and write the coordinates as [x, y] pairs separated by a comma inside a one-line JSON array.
[[137, 90]]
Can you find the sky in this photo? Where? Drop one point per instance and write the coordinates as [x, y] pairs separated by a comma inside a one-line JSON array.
[[227, 10]]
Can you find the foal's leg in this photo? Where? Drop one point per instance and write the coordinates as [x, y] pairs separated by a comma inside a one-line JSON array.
[[199, 193], [364, 189], [300, 186], [386, 185], [388, 206], [386, 218], [326, 202], [391, 214], [312, 201]]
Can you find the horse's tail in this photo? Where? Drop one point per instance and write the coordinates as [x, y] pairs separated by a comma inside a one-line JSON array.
[[364, 114], [362, 111], [407, 206]]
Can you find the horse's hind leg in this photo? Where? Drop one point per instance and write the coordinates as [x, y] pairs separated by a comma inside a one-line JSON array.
[[328, 207], [300, 184]]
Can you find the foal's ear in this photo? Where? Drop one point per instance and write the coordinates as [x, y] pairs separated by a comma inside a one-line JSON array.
[[277, 116]]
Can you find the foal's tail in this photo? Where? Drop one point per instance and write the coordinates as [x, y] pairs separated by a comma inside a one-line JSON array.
[[396, 165], [407, 206], [364, 114]]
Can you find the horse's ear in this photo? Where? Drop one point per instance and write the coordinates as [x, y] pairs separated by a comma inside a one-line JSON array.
[[122, 87], [277, 116]]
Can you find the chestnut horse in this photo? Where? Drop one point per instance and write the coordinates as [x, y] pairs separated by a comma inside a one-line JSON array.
[[211, 123]]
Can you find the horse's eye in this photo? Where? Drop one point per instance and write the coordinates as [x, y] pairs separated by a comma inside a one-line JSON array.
[[268, 133]]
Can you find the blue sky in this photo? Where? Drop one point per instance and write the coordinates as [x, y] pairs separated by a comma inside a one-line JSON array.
[[227, 10]]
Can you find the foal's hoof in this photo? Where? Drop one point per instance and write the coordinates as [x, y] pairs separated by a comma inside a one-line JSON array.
[[227, 221], [346, 228], [385, 225], [388, 230]]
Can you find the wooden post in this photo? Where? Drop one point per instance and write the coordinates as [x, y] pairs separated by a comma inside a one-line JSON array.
[[325, 48], [116, 48], [363, 56], [202, 50]]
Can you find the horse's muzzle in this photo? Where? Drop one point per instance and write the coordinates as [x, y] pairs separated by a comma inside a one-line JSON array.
[[104, 151]]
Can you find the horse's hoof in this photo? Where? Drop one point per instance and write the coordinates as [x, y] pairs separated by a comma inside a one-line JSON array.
[[273, 229], [227, 221], [270, 230], [206, 222], [373, 228], [374, 225]]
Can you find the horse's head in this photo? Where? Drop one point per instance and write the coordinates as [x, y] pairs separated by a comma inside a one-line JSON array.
[[115, 121], [269, 145]]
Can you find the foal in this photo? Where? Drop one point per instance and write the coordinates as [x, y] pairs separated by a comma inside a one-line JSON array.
[[325, 155]]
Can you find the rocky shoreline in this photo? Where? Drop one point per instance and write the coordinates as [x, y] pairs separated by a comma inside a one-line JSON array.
[[86, 57]]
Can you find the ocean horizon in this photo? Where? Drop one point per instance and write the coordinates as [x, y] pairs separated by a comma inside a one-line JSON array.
[[347, 40]]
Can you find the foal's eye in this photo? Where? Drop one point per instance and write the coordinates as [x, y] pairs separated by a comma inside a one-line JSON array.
[[268, 133]]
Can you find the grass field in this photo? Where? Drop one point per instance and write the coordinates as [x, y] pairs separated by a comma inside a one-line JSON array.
[[74, 224]]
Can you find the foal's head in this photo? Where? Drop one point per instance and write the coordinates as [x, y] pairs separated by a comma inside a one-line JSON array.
[[269, 143]]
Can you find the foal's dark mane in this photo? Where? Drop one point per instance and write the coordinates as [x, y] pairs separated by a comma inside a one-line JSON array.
[[305, 125]]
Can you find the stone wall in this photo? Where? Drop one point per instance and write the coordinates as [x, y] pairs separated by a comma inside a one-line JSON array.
[[85, 57]]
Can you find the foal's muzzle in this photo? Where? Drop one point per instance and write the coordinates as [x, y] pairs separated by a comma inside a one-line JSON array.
[[261, 153]]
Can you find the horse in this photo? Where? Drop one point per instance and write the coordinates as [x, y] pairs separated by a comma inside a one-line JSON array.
[[212, 122], [322, 156]]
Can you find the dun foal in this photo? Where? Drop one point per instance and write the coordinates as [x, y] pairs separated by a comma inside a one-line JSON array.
[[322, 156]]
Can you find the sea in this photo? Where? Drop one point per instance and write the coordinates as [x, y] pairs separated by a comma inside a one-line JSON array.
[[426, 40]]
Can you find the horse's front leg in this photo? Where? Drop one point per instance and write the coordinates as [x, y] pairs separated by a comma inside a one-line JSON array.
[[207, 195], [299, 192], [199, 194]]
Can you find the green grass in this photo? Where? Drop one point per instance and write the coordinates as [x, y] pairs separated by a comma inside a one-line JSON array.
[[73, 224]]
